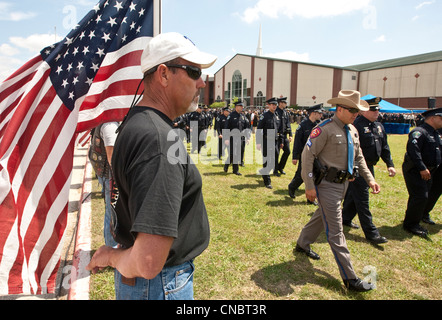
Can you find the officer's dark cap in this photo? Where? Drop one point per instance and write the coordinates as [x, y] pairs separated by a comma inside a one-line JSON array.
[[284, 100], [316, 108], [272, 101], [226, 109], [374, 103], [239, 103], [433, 112]]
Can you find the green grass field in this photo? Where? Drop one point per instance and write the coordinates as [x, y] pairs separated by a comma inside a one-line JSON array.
[[254, 231]]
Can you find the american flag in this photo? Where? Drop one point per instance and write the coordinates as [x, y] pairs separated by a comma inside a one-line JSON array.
[[87, 79]]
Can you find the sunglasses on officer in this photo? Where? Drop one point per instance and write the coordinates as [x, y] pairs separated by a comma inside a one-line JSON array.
[[193, 72], [351, 110]]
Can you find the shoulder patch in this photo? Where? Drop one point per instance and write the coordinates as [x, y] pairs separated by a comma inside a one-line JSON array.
[[316, 133], [417, 134]]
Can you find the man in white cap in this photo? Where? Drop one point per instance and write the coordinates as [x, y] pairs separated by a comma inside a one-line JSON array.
[[329, 160], [161, 221]]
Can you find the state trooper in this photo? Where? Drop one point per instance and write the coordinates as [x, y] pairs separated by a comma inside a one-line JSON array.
[[329, 161], [269, 141], [235, 125], [301, 136], [374, 144], [285, 132], [421, 162]]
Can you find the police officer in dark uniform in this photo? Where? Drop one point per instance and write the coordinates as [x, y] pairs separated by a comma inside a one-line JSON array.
[[421, 162], [199, 123], [435, 192], [374, 144], [301, 137], [219, 126], [285, 131], [269, 141], [236, 120]]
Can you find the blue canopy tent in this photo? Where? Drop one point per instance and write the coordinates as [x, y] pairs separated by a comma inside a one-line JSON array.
[[387, 107]]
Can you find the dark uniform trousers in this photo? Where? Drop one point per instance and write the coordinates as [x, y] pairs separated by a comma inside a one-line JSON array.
[[286, 153], [357, 200], [328, 217], [419, 191], [297, 179], [435, 192], [270, 155]]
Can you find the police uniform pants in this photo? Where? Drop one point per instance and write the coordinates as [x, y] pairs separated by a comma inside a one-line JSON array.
[[234, 158], [297, 179], [418, 191], [357, 201], [269, 161], [285, 155], [435, 192], [328, 217]]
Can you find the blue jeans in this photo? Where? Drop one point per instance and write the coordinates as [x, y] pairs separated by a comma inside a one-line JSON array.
[[173, 283], [108, 239]]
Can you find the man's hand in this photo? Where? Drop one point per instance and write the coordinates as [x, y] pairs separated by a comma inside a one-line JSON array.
[[376, 188], [311, 195], [100, 260], [392, 172], [295, 162], [426, 175]]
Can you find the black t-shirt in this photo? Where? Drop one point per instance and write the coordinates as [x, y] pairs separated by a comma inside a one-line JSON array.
[[160, 189]]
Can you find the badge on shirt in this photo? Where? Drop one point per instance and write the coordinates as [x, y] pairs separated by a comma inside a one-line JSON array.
[[316, 133], [367, 130]]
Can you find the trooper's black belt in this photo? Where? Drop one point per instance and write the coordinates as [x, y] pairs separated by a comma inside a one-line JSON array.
[[340, 176]]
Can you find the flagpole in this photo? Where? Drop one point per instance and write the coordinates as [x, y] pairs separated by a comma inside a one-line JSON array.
[[158, 12]]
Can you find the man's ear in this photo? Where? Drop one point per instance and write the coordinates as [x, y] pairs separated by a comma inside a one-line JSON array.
[[163, 73]]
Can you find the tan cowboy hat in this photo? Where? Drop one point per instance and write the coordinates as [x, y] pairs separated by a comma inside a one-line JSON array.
[[350, 98]]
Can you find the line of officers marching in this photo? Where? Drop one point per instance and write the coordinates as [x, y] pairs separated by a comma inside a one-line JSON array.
[[421, 168]]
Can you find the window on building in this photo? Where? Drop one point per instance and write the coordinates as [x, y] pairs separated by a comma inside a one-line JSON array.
[[237, 85], [259, 100]]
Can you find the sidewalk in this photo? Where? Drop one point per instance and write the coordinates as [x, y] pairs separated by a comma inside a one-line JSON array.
[[73, 279]]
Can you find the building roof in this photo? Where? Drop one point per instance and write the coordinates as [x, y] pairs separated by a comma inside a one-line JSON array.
[[399, 62], [391, 63], [284, 60]]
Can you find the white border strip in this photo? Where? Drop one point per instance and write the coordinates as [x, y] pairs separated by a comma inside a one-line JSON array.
[[80, 277]]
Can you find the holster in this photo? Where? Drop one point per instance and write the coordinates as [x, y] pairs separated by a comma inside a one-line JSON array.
[[319, 171]]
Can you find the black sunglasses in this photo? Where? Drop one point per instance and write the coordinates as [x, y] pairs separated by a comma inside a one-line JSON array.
[[351, 110], [193, 72]]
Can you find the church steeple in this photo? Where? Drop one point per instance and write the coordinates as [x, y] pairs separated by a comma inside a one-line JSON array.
[[259, 50]]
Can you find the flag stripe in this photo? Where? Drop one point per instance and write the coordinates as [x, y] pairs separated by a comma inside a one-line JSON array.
[[55, 220], [22, 112], [23, 70], [131, 59], [17, 86]]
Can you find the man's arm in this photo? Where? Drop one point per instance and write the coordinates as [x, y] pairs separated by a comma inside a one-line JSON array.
[[145, 259]]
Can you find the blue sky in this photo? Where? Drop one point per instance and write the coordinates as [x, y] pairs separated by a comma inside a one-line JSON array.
[[332, 32]]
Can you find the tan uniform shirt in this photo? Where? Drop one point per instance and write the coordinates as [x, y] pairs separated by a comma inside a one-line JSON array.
[[328, 143]]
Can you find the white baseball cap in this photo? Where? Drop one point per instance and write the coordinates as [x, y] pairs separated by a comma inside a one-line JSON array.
[[169, 46]]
